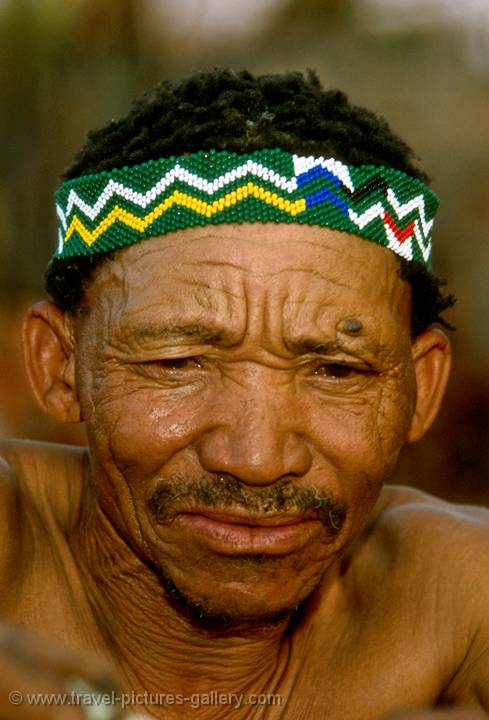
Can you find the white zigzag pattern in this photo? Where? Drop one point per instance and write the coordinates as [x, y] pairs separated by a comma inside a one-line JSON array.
[[61, 243], [404, 249], [421, 233], [416, 203], [192, 180], [376, 211], [424, 243], [303, 164], [62, 217]]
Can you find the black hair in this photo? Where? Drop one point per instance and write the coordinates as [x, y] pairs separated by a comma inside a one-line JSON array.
[[240, 112]]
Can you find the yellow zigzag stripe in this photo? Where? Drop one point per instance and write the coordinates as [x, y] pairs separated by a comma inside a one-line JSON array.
[[179, 198]]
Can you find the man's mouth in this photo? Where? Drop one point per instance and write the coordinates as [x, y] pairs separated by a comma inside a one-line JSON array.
[[253, 519], [245, 534], [230, 518]]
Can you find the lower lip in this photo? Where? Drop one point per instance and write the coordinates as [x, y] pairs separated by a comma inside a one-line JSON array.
[[235, 539]]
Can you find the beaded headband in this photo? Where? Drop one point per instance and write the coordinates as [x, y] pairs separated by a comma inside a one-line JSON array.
[[106, 211]]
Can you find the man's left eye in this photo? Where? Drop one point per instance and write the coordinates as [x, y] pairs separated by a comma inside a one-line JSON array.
[[336, 370], [174, 364], [181, 363]]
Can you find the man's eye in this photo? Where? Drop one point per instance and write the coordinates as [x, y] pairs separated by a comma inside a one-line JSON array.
[[335, 370], [184, 363]]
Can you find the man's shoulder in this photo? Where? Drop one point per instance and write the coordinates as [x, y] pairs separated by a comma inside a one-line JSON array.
[[9, 491], [40, 477], [20, 451], [445, 548], [439, 550], [415, 540], [419, 573], [429, 521], [423, 533]]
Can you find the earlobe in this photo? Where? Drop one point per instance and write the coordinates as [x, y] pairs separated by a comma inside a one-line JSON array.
[[50, 361], [432, 361]]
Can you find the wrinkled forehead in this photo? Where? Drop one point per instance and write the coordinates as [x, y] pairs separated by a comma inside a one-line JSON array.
[[292, 274]]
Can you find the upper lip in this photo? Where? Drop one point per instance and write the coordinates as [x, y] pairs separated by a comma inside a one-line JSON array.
[[254, 520]]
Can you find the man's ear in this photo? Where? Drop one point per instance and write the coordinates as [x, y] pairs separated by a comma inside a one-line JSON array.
[[432, 362], [50, 361]]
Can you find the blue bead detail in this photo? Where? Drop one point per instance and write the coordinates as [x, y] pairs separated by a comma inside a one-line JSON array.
[[325, 195], [316, 172]]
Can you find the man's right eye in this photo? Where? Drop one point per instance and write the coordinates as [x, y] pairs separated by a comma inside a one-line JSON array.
[[179, 363]]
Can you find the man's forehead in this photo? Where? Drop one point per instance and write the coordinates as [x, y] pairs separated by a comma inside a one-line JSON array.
[[258, 252], [210, 285]]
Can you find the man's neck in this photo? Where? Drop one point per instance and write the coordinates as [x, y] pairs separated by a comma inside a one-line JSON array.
[[154, 641]]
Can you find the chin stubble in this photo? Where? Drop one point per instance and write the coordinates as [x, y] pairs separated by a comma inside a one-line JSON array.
[[177, 494]]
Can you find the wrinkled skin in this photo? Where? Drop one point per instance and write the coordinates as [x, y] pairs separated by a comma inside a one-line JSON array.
[[251, 407], [240, 435]]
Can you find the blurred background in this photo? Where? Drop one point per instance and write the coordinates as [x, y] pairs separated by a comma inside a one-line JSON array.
[[423, 64]]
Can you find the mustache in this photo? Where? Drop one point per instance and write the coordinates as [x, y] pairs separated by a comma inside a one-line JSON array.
[[225, 493]]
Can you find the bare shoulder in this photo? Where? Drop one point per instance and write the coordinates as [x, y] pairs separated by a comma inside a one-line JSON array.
[[426, 552], [12, 530], [9, 497], [43, 478], [426, 562], [442, 551], [429, 521], [425, 535]]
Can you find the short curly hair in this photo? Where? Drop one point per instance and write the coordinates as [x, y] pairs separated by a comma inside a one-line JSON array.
[[240, 112]]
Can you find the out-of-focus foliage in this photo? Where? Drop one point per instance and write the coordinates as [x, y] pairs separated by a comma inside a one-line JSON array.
[[67, 67], [64, 67]]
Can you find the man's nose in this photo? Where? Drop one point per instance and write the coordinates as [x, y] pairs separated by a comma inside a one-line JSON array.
[[255, 441]]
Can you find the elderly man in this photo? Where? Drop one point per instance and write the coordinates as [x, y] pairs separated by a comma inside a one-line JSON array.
[[244, 318]]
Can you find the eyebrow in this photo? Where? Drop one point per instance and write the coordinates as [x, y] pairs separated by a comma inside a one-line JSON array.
[[194, 333], [200, 334], [308, 346]]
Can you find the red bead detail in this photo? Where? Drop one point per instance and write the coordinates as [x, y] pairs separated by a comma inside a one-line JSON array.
[[401, 235]]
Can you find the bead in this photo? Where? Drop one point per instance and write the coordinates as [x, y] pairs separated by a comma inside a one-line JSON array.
[[117, 208]]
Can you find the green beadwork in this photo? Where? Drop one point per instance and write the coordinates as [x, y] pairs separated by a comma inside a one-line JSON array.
[[104, 212]]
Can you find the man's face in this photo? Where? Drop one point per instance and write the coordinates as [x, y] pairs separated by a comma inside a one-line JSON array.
[[240, 429]]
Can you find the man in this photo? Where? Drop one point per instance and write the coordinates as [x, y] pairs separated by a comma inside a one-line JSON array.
[[244, 318]]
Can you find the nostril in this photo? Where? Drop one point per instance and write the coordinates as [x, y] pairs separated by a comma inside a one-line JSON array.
[[254, 458]]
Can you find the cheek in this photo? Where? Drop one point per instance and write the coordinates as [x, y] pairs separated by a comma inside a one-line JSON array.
[[138, 427], [363, 435], [360, 441]]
